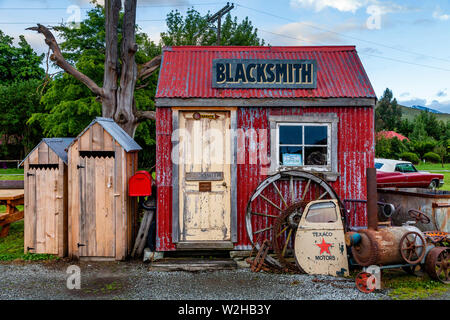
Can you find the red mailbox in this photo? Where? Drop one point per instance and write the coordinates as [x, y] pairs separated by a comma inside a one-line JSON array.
[[140, 184]]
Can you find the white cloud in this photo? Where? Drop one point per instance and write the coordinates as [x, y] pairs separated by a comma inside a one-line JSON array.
[[308, 33], [440, 15], [341, 5]]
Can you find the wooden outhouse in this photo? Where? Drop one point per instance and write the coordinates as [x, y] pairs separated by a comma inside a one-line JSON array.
[[102, 217], [263, 111], [45, 203]]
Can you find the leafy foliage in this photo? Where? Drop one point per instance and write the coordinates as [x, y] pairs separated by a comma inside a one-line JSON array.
[[432, 157], [387, 112], [196, 30], [18, 63], [409, 156], [20, 72]]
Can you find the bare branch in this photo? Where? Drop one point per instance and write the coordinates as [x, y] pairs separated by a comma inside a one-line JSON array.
[[145, 115], [58, 58], [147, 69]]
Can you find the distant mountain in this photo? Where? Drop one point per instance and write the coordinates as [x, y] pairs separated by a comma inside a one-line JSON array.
[[426, 109], [410, 112]]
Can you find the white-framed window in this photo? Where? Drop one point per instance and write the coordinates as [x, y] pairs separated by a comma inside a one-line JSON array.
[[303, 144], [307, 142]]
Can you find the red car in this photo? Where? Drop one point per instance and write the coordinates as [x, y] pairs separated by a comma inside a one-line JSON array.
[[403, 174]]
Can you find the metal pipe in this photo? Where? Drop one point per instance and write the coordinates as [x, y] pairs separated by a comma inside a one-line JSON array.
[[372, 209]]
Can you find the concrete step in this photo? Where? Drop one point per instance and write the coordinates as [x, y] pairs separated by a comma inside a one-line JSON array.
[[192, 264]]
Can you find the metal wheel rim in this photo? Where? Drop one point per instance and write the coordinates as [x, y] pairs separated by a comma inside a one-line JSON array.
[[267, 183]]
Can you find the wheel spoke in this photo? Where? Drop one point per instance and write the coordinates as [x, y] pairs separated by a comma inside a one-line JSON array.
[[262, 230], [270, 202], [264, 215], [287, 241], [306, 189], [281, 232], [279, 193], [291, 188], [322, 195]]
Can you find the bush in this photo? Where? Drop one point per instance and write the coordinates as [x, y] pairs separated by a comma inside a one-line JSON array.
[[432, 157], [409, 156]]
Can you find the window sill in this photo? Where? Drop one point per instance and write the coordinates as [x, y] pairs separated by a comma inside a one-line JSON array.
[[326, 175]]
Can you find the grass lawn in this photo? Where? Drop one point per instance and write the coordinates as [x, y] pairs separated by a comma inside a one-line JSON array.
[[437, 168], [403, 286], [11, 174]]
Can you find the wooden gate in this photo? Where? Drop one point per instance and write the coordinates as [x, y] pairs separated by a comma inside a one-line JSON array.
[[97, 211], [43, 209], [205, 176]]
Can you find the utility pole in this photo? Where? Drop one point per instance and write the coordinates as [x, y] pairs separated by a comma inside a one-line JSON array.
[[218, 17]]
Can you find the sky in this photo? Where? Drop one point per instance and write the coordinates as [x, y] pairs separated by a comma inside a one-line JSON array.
[[404, 45]]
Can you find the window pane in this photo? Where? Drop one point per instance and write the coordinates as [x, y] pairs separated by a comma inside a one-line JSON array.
[[324, 212], [316, 135], [405, 167], [316, 156], [378, 165], [291, 135], [291, 156]]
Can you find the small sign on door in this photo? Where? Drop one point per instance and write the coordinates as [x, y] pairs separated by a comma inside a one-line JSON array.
[[204, 186]]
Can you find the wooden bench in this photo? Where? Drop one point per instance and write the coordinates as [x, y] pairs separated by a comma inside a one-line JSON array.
[[11, 198]]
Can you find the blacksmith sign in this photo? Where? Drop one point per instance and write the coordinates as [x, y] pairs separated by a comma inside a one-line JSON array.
[[261, 73]]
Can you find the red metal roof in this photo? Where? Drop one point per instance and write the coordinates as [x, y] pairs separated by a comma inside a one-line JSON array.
[[186, 72]]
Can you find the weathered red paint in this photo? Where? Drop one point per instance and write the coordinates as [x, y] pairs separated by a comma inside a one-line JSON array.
[[186, 73]]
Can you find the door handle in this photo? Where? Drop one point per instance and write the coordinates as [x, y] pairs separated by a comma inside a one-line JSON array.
[[224, 184]]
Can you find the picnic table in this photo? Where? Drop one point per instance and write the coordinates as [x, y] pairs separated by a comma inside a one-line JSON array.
[[11, 198]]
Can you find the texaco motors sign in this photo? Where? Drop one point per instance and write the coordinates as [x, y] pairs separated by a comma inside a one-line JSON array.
[[262, 73]]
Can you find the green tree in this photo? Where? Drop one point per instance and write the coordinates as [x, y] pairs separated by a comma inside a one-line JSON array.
[[194, 29], [70, 105], [387, 112], [20, 87], [18, 63], [19, 101]]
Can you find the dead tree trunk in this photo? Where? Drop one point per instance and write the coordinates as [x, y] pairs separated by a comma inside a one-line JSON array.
[[117, 98]]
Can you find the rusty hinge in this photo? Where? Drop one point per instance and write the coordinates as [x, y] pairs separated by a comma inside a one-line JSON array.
[[79, 166], [29, 174], [29, 248], [80, 245]]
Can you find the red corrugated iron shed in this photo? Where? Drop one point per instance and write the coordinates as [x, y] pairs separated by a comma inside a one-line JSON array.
[[186, 72], [343, 91]]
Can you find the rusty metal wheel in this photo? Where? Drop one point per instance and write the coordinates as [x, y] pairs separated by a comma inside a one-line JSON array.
[[419, 216], [365, 282], [437, 264], [284, 229], [277, 195], [412, 247]]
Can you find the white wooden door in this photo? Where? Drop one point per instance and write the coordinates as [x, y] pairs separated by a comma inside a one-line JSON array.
[[204, 176]]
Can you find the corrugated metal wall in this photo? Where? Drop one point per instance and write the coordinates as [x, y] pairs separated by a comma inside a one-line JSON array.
[[355, 154], [186, 72]]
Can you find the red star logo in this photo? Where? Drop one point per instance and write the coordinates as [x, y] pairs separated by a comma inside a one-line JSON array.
[[324, 247]]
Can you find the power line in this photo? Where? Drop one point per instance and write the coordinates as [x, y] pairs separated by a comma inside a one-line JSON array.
[[341, 34], [361, 53], [58, 22], [138, 6]]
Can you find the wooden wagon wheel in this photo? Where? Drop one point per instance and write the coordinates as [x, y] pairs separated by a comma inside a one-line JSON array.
[[412, 251], [283, 197], [437, 264]]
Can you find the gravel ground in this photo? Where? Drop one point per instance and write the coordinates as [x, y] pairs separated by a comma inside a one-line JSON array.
[[135, 280]]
